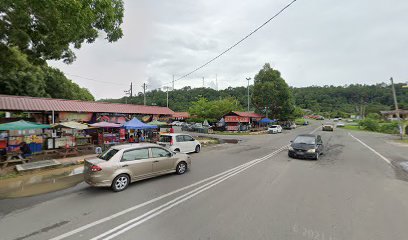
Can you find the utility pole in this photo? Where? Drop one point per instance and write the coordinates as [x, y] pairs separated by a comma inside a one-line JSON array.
[[396, 107], [144, 93], [167, 91], [248, 79], [173, 81], [129, 92], [216, 81], [203, 82]]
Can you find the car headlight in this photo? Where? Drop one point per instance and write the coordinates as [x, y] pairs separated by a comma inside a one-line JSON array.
[[290, 148], [311, 150]]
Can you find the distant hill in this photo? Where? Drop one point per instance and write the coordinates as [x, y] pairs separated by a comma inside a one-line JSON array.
[[326, 99]]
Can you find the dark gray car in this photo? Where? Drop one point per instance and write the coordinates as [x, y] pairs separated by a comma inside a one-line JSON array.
[[308, 146]]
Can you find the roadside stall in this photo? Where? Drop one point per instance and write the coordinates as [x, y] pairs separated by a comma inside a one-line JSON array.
[[69, 133], [162, 127], [109, 133], [14, 133], [135, 126]]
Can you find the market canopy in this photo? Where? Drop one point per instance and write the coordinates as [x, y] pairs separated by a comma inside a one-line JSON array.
[[106, 125], [157, 123], [266, 120], [72, 125], [137, 124], [22, 125]]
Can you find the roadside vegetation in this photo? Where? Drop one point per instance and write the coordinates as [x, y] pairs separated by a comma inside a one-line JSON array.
[[374, 123]]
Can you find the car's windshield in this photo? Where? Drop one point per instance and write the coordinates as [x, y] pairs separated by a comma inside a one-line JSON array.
[[165, 138], [108, 154], [273, 126], [304, 140]]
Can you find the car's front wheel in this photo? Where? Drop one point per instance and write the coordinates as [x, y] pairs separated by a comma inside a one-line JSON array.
[[181, 168], [120, 183], [197, 149]]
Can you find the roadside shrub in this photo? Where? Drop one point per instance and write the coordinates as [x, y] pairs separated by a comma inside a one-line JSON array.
[[369, 124], [391, 128]]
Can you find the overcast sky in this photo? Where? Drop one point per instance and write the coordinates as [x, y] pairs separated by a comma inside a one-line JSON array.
[[314, 42]]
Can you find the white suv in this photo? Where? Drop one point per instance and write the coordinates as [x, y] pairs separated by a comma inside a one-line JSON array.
[[179, 142], [275, 129]]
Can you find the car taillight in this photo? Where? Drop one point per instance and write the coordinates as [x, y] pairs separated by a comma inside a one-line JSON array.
[[171, 142], [96, 168]]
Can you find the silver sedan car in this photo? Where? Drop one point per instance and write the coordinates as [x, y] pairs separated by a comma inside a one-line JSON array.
[[120, 165]]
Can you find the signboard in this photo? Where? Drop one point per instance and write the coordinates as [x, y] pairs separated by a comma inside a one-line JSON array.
[[232, 128], [236, 119], [122, 133], [73, 116], [112, 117]]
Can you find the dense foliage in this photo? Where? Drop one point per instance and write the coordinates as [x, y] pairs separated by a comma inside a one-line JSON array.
[[32, 32], [351, 99], [48, 29], [18, 76], [213, 110]]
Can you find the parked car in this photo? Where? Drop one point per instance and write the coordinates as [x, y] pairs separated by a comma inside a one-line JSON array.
[[309, 146], [175, 123], [275, 129], [120, 165], [340, 124], [328, 127], [178, 142]]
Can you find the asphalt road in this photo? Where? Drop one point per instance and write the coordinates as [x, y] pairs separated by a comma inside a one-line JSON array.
[[249, 190]]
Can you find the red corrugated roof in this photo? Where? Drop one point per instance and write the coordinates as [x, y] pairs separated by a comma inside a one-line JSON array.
[[249, 114], [181, 115], [23, 103]]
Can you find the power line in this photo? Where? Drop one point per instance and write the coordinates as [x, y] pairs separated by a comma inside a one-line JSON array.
[[92, 79], [237, 43]]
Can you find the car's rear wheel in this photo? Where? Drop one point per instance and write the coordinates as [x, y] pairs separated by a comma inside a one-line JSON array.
[[181, 168], [120, 183], [197, 149]]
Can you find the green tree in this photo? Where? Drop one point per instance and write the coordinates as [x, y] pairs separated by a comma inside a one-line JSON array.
[[32, 32], [272, 93], [47, 29], [214, 110]]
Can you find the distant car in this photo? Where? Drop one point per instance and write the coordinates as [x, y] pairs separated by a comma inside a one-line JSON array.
[[289, 126], [175, 123], [309, 146], [179, 142], [340, 124], [336, 119], [328, 127], [120, 165], [275, 129], [305, 123]]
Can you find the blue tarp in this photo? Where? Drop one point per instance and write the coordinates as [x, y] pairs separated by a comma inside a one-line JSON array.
[[137, 124], [266, 120]]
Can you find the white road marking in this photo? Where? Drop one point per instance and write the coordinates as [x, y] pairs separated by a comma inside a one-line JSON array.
[[168, 205], [92, 224], [374, 151]]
